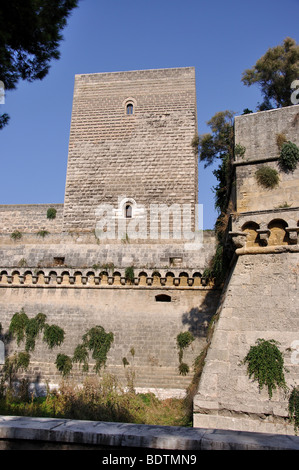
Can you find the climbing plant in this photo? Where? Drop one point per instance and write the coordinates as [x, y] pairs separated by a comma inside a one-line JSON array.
[[81, 356], [265, 364], [33, 327], [64, 364], [98, 341], [53, 335], [16, 235], [24, 329], [184, 339], [294, 408], [17, 326]]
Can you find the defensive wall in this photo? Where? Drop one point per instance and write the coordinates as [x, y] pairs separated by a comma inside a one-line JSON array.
[[260, 299]]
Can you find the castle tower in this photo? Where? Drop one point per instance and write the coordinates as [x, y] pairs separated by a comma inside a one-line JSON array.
[[261, 296], [130, 145]]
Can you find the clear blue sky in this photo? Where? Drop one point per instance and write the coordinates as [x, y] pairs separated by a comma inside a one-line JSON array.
[[219, 38]]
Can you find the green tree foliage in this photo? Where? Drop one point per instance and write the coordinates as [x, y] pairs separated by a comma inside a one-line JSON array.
[[30, 33], [274, 72], [212, 147], [219, 143]]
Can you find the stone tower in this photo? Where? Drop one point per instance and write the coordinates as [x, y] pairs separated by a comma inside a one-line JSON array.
[[260, 300], [130, 144]]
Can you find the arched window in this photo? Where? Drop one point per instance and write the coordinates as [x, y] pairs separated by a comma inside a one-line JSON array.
[[128, 211], [130, 108]]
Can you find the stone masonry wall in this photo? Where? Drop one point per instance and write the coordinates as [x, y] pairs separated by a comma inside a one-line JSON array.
[[30, 218], [260, 302], [131, 313], [258, 133], [146, 156]]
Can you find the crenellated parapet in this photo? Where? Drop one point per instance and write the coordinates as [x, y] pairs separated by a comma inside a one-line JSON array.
[[65, 277]]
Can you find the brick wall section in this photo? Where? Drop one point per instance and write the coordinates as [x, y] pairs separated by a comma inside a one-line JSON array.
[[146, 156], [30, 218]]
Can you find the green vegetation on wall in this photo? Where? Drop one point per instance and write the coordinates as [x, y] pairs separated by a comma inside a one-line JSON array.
[[51, 213], [289, 156], [265, 364], [184, 339], [267, 177]]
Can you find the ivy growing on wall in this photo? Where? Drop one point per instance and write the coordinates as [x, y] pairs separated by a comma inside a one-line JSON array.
[[64, 364], [26, 329], [98, 341], [53, 335], [23, 329], [294, 408], [265, 364]]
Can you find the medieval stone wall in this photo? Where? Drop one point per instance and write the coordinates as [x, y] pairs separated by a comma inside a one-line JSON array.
[[134, 314], [258, 134], [30, 218]]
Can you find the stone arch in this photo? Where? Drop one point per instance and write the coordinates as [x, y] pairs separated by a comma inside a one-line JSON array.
[[3, 276], [27, 277], [183, 279], [197, 279], [142, 278], [278, 234], [90, 277], [252, 238], [169, 278], [156, 277], [117, 276], [40, 277], [52, 276], [104, 277], [15, 276], [65, 276], [78, 277]]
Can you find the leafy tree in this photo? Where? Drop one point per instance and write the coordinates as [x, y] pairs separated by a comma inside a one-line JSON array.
[[274, 72], [30, 33], [219, 145]]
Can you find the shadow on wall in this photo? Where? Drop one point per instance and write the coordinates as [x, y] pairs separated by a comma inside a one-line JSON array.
[[198, 318]]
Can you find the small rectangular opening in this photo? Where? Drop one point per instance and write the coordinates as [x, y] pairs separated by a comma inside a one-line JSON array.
[[163, 298], [59, 261]]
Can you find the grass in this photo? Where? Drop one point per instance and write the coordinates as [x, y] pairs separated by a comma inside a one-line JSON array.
[[97, 400]]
